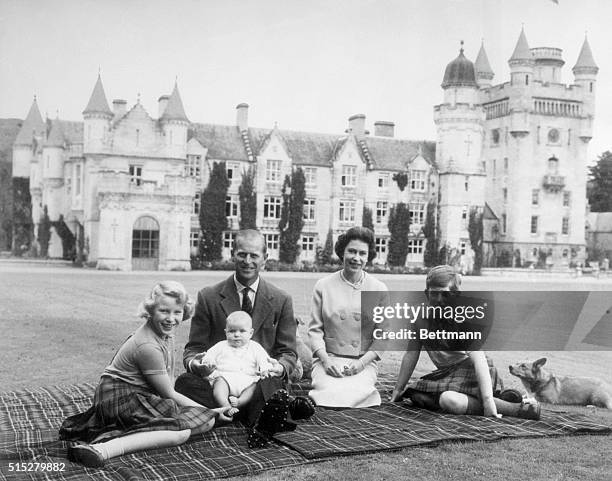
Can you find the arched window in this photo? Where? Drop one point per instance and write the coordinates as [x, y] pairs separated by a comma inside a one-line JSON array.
[[145, 240]]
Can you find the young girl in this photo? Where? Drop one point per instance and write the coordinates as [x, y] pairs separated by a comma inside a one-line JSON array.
[[236, 363], [135, 406], [464, 380]]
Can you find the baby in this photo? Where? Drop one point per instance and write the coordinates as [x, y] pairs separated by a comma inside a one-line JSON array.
[[236, 364]]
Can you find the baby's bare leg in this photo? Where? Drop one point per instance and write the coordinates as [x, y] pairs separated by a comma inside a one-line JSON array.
[[246, 395], [221, 392]]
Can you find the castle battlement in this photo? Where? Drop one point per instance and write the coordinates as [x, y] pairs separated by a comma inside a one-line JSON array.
[[113, 182]]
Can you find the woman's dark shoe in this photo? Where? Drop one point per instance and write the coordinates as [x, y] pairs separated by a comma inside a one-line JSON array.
[[86, 455], [530, 410], [301, 407], [271, 420]]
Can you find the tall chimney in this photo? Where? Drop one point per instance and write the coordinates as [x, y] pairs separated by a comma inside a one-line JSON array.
[[119, 108], [242, 116], [382, 128], [162, 102], [357, 125]]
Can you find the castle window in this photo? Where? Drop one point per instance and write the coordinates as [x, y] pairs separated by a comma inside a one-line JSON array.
[[535, 197], [466, 183], [380, 244], [231, 206], [135, 174], [228, 239], [383, 180], [462, 247], [553, 165], [194, 238], [233, 171], [504, 223], [309, 209], [77, 180], [310, 176], [308, 243], [382, 208], [565, 226], [505, 194], [591, 87], [347, 211], [493, 164], [415, 246], [569, 136], [273, 173], [534, 224], [506, 164], [416, 213], [417, 180], [538, 135], [193, 166], [196, 203], [271, 241], [464, 215], [272, 207], [495, 136], [566, 198], [526, 79], [349, 175], [137, 137]]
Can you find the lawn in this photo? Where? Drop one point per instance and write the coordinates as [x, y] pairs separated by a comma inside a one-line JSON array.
[[62, 326]]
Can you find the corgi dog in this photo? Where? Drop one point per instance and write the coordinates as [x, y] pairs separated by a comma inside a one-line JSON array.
[[546, 387]]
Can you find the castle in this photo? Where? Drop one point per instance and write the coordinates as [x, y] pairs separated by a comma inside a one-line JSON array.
[[129, 184]]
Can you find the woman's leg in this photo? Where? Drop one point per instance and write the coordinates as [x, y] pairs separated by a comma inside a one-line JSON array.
[[458, 403]]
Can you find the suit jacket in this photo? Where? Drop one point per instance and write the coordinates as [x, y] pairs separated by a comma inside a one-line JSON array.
[[273, 321]]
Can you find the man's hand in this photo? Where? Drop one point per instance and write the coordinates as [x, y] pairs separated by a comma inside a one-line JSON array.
[[396, 395], [276, 368], [200, 367]]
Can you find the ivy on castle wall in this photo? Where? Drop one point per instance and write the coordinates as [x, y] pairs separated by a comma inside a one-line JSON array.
[[401, 179], [44, 233], [212, 214], [6, 206], [476, 229], [430, 256], [399, 228], [21, 216], [248, 200], [292, 216], [366, 220]]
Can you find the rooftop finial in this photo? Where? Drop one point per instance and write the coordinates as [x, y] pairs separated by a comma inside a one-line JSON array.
[[461, 49]]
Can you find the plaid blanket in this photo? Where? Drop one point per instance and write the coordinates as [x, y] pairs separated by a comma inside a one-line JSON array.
[[29, 422]]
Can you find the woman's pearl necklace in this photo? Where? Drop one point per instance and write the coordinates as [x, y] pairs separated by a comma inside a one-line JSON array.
[[354, 285]]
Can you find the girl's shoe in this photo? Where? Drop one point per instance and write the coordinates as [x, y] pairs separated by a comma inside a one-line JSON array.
[[530, 410]]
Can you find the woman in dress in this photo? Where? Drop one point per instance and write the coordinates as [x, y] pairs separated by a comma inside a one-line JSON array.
[[345, 366]]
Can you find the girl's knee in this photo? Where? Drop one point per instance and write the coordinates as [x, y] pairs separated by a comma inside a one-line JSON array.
[[205, 427], [453, 402], [181, 437]]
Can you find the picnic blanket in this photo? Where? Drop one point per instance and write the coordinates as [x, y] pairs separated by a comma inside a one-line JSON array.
[[29, 421]]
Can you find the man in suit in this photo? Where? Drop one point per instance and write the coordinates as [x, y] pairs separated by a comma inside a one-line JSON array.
[[273, 324]]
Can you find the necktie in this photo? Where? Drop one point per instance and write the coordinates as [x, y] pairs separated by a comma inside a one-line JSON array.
[[247, 305]]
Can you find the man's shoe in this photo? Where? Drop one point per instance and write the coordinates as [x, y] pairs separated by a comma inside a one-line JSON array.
[[301, 407], [86, 455], [271, 420], [530, 410]]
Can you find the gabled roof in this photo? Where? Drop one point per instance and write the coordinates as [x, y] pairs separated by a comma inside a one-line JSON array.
[[97, 102], [32, 123], [396, 154], [56, 135], [585, 58], [175, 110], [459, 73], [482, 65], [306, 148], [521, 51], [488, 213], [223, 142], [72, 131]]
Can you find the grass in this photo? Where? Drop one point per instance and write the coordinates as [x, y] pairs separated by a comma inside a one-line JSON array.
[[62, 326]]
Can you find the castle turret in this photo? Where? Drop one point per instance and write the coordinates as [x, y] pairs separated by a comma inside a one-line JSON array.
[[53, 180], [459, 121], [98, 116], [585, 74], [31, 133], [521, 63], [174, 123], [484, 72]]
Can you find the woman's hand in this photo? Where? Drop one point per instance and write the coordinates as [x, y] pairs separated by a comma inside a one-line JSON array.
[[489, 408], [331, 368], [354, 367]]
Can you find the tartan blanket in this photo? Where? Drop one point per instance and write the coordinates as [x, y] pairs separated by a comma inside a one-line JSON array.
[[29, 421]]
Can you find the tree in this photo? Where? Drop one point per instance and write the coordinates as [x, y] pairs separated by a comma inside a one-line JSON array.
[[213, 220], [68, 238], [248, 200], [399, 228], [599, 192], [292, 216], [44, 233], [475, 229], [430, 256], [401, 179], [21, 215], [325, 254], [367, 219]]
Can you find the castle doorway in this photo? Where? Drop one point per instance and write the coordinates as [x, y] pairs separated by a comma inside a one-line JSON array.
[[145, 244]]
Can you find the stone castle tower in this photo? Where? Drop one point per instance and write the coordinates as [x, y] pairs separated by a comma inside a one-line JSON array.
[[520, 150]]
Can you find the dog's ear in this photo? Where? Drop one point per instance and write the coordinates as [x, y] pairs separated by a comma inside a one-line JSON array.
[[539, 363]]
